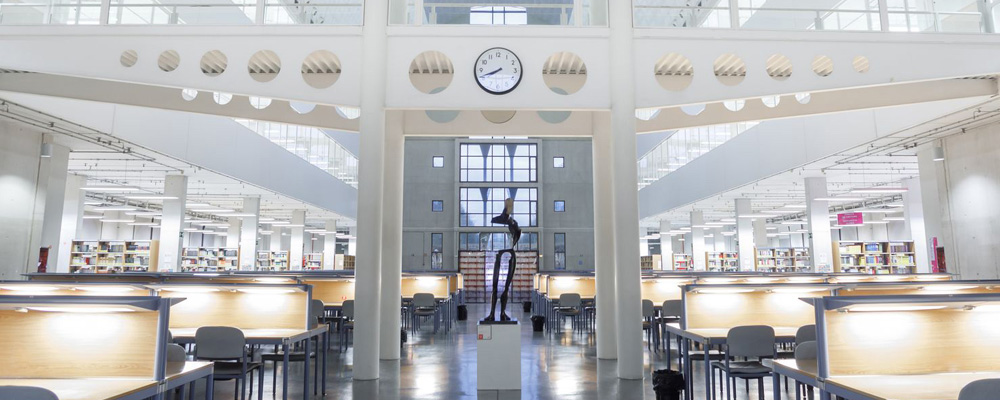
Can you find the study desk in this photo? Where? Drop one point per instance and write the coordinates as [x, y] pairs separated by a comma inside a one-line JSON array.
[[945, 386], [92, 388], [806, 374], [283, 337], [183, 373], [709, 337]]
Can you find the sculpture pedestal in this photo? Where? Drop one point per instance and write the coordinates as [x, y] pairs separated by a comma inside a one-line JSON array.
[[498, 359]]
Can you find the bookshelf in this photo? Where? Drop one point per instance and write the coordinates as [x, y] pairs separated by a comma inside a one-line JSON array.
[[272, 260], [874, 257], [722, 261], [646, 263], [314, 261], [783, 259], [682, 262], [210, 259], [108, 256], [344, 261], [477, 269]]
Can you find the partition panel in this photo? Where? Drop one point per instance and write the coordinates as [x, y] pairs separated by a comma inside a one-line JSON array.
[[729, 307], [233, 307]]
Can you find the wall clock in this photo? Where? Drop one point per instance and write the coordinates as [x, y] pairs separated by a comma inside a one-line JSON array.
[[498, 71]]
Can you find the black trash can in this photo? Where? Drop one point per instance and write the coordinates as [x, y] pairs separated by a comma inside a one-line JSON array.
[[668, 384], [537, 323], [463, 312], [402, 337], [526, 306]]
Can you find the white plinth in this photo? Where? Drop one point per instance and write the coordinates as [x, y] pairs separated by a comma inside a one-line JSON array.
[[499, 356]]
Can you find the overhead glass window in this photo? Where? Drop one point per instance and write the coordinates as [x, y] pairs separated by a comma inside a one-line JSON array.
[[560, 250], [485, 162], [483, 241], [437, 162], [498, 15], [437, 250], [558, 162], [437, 205], [477, 206], [559, 206]]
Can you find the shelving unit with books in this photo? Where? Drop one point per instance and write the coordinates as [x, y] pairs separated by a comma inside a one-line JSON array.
[[682, 262], [210, 259], [477, 267], [314, 261], [108, 256], [874, 257], [783, 259], [722, 261]]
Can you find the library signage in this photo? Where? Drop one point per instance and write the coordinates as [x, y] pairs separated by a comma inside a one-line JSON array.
[[848, 219]]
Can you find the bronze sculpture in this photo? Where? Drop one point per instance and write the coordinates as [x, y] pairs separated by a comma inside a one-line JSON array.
[[515, 234]]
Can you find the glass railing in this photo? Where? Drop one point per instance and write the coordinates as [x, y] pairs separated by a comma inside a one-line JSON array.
[[193, 12], [684, 146], [499, 12], [839, 15], [310, 144]]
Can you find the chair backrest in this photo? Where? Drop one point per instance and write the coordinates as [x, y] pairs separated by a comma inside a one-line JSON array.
[[348, 309], [647, 308], [806, 333], [26, 393], [176, 353], [219, 343], [673, 308], [317, 308], [569, 300], [806, 351], [983, 389], [751, 341], [421, 300]]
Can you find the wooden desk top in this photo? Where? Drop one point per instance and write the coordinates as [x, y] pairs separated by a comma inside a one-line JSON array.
[[908, 387], [786, 365], [718, 335], [86, 389], [271, 335], [177, 370]]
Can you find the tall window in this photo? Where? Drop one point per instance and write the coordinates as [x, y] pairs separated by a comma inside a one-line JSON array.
[[437, 250], [498, 15], [494, 241], [479, 205], [560, 250], [483, 162]]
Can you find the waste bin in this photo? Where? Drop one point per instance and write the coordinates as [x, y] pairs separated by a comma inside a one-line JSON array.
[[463, 312], [537, 323], [668, 384], [526, 306], [402, 337]]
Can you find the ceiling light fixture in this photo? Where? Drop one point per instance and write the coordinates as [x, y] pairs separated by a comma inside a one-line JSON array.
[[151, 197], [110, 188]]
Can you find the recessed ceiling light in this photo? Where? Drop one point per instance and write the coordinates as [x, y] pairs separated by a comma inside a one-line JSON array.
[[880, 190], [838, 199], [96, 188], [151, 197], [115, 208], [118, 221], [196, 205]]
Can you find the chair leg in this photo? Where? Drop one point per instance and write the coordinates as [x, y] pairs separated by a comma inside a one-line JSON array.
[[760, 388], [274, 379], [260, 382]]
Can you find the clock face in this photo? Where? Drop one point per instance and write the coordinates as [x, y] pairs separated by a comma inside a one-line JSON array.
[[498, 71]]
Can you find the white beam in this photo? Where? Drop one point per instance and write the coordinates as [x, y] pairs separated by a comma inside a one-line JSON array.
[[171, 235], [248, 234], [330, 245], [745, 234], [666, 246], [297, 243], [698, 241], [818, 220]]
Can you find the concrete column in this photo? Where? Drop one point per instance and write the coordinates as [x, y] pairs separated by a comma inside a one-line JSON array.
[[698, 241], [604, 238], [276, 234], [745, 234], [171, 233], [392, 236], [248, 234], [233, 232], [72, 222], [913, 219], [666, 246], [818, 219], [368, 274], [626, 195], [50, 197], [297, 240], [933, 210], [352, 242], [330, 245]]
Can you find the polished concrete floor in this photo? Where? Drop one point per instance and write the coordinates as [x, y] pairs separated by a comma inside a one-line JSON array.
[[443, 366]]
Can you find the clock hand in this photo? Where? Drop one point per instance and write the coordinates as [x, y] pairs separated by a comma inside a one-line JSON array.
[[491, 73]]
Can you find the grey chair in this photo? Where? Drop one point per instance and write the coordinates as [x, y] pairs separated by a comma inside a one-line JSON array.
[[424, 306], [317, 311], [569, 306], [671, 311], [176, 353], [226, 346], [983, 389], [347, 328], [754, 341], [26, 393], [805, 356], [648, 316]]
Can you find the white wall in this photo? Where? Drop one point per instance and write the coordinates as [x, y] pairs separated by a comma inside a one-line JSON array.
[[20, 150]]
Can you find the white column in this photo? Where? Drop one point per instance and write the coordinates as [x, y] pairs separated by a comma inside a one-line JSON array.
[[818, 218], [297, 240], [330, 245], [276, 232], [760, 239], [352, 242], [698, 241], [392, 236], [368, 273], [720, 240], [625, 194], [604, 238], [666, 246], [745, 234], [233, 232], [72, 220], [51, 191], [913, 216], [171, 235], [933, 192], [248, 234]]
